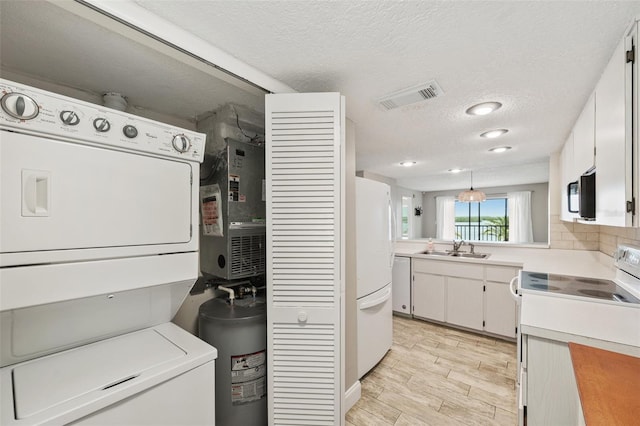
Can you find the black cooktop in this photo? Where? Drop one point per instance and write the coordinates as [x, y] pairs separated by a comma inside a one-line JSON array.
[[576, 286]]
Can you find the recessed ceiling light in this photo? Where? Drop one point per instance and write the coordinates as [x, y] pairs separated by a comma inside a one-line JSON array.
[[407, 163], [484, 108], [494, 133], [499, 149], [455, 170]]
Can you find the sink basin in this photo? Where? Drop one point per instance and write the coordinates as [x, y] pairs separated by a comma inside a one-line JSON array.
[[437, 253], [471, 255], [459, 254]]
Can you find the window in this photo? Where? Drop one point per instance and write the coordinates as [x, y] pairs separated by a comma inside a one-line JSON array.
[[486, 221], [407, 205]]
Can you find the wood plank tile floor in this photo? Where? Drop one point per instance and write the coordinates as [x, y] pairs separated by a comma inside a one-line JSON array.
[[436, 375]]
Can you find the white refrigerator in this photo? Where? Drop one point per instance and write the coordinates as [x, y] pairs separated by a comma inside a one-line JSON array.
[[374, 248]]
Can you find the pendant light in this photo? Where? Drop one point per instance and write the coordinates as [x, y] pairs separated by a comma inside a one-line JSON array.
[[471, 195]]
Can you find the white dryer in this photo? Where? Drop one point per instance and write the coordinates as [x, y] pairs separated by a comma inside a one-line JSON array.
[[99, 247]]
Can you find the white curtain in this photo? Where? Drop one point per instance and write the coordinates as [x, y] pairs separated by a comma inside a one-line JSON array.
[[445, 218], [520, 227]]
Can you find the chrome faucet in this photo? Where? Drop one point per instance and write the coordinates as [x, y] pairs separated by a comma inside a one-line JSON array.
[[457, 245]]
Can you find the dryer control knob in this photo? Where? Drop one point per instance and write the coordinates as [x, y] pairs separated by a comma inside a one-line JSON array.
[[130, 131], [101, 125], [181, 143], [20, 106], [70, 118]]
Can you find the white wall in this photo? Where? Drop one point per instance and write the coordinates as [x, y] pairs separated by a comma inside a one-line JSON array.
[[397, 192]]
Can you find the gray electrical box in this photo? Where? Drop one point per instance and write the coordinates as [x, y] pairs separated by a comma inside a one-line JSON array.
[[237, 248]]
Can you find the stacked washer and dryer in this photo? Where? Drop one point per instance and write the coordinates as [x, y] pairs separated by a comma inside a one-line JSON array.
[[98, 249]]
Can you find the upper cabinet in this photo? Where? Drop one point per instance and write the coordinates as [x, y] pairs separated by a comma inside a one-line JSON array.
[[584, 138], [568, 176], [605, 136], [613, 139]]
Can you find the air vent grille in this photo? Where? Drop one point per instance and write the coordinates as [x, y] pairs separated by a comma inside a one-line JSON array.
[[412, 95], [248, 254]]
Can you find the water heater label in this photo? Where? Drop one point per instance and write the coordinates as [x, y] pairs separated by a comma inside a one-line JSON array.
[[248, 377]]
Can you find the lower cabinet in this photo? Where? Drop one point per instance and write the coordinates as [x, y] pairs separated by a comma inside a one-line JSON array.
[[428, 296], [499, 310], [552, 393], [464, 302], [469, 295]]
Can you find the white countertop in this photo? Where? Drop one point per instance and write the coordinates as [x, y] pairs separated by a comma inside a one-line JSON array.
[[569, 262]]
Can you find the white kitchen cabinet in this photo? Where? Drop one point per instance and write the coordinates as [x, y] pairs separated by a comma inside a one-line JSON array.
[[584, 138], [499, 310], [614, 142], [552, 392], [465, 294], [499, 307], [465, 302], [429, 296], [567, 175]]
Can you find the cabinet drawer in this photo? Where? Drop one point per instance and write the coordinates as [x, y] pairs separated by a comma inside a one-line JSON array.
[[501, 274], [452, 269]]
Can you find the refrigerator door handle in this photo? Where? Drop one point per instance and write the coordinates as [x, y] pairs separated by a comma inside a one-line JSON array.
[[378, 301], [392, 234]]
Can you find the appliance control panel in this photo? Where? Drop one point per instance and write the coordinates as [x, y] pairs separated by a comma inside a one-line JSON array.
[[29, 109]]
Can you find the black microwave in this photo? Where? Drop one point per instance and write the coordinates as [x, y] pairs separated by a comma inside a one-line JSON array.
[[587, 195], [581, 196]]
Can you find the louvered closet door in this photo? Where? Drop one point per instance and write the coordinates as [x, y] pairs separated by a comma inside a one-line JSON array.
[[305, 261]]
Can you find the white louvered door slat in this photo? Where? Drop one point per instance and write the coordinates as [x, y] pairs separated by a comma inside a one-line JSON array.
[[305, 259]]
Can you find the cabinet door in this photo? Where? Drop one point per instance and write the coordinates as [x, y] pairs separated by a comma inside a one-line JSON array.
[[613, 143], [428, 296], [552, 393], [464, 302], [567, 175], [584, 138], [499, 310]]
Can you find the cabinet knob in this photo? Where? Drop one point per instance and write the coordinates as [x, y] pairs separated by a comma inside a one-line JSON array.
[[302, 316]]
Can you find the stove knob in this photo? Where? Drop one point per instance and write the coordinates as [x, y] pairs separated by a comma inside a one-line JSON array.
[[70, 118], [101, 125], [181, 143], [130, 131], [20, 106]]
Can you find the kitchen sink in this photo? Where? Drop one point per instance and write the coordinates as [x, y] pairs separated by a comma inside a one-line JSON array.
[[437, 253], [459, 254], [471, 255]]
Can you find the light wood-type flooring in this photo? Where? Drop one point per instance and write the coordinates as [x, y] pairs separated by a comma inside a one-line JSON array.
[[436, 375]]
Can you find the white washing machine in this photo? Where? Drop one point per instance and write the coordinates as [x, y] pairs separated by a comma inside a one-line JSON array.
[[99, 232]]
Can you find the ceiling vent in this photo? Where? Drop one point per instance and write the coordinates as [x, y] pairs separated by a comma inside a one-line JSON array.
[[419, 93]]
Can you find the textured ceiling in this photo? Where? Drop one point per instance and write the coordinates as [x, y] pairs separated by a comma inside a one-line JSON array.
[[42, 41], [540, 59]]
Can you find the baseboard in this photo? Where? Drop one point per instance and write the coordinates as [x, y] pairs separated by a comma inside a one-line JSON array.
[[352, 395]]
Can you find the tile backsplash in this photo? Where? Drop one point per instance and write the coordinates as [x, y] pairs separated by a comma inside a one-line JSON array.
[[611, 236], [573, 236], [579, 236]]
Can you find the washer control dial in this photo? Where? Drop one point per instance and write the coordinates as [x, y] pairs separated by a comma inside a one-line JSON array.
[[130, 131], [70, 118], [101, 125], [20, 106], [181, 143]]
